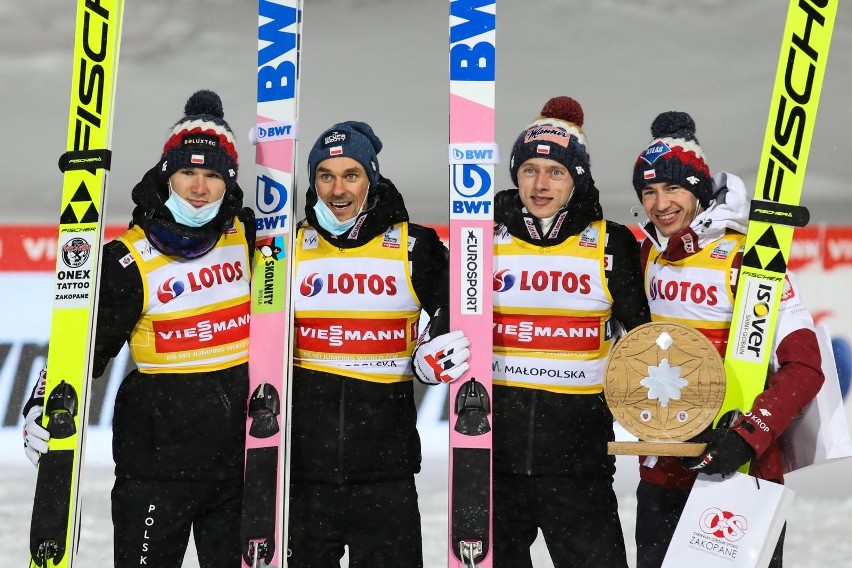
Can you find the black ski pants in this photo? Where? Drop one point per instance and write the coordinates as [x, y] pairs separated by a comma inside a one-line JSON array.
[[658, 510], [152, 521], [378, 521], [577, 517]]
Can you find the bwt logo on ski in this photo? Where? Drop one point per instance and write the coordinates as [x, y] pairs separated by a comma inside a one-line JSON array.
[[276, 61], [795, 114], [474, 154], [546, 280], [469, 60], [270, 198], [356, 336], [346, 283], [170, 289], [503, 280], [752, 338], [272, 131], [471, 182], [221, 327], [683, 291]]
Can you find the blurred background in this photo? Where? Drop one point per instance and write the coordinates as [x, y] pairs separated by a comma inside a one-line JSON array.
[[385, 62]]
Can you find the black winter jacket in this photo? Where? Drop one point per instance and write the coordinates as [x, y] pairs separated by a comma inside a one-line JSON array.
[[347, 430], [537, 432], [169, 425]]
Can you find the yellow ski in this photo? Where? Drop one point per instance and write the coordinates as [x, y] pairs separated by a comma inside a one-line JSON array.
[[775, 210], [55, 518]]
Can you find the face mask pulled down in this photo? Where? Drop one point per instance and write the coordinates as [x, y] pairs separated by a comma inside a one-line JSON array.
[[330, 223], [185, 214]]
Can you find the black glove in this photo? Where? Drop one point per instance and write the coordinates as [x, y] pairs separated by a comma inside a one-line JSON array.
[[726, 451]]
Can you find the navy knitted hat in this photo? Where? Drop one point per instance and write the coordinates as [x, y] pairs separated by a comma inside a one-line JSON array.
[[557, 134], [674, 157], [201, 139], [350, 139]]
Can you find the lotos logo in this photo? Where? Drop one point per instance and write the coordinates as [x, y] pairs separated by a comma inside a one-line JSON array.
[[361, 283], [723, 524], [311, 285], [170, 289], [214, 275], [503, 280], [683, 291], [555, 281]]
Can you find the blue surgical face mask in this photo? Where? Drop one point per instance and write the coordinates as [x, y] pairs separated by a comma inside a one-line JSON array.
[[329, 222], [185, 214]]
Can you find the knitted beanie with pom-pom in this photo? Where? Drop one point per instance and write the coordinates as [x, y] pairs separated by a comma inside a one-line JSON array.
[[557, 134], [674, 157]]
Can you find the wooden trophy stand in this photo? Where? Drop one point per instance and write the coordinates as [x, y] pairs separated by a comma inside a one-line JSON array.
[[664, 383]]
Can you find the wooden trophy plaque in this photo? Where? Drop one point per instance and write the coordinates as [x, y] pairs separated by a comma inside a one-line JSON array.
[[664, 383]]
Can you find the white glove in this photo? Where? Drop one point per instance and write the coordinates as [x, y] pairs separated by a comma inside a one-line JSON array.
[[35, 437], [442, 359]]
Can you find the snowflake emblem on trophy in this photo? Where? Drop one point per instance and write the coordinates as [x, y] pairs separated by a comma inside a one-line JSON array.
[[663, 382]]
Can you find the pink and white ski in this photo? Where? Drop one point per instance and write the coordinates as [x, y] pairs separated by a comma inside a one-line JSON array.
[[472, 155], [265, 506]]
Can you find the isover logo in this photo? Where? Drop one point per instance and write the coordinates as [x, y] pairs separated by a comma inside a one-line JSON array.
[[752, 339]]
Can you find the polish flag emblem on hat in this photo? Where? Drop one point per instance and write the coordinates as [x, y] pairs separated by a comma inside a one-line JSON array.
[[542, 149], [197, 159], [650, 174], [335, 151]]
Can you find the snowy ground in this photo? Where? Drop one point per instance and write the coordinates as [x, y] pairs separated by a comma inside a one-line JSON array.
[[818, 526]]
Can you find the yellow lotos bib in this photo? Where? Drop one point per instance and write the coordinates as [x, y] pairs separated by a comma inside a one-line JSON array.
[[552, 312], [356, 312], [196, 313], [696, 291]]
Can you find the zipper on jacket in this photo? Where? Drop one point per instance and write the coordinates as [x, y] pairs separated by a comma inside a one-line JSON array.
[[531, 433], [340, 431]]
